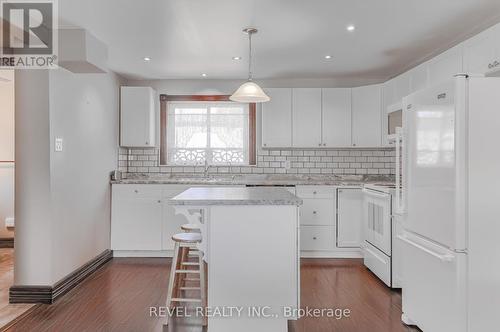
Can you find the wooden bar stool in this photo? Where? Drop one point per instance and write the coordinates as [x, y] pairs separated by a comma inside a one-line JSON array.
[[185, 243], [191, 228]]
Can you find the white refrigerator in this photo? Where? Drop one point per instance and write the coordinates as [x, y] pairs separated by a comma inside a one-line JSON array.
[[448, 198]]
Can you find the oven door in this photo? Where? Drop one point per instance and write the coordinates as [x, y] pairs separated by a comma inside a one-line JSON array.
[[377, 219]]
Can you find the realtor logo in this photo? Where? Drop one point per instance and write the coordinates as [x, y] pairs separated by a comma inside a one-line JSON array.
[[29, 34]]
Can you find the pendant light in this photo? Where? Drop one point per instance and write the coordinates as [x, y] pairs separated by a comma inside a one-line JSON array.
[[249, 92]]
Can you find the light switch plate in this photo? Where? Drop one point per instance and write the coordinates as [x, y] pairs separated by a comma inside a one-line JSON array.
[[58, 146]]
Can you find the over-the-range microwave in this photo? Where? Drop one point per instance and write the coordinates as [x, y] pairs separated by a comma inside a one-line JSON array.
[[394, 118]]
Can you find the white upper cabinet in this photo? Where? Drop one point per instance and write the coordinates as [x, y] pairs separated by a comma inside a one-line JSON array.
[[482, 52], [418, 78], [366, 116], [306, 121], [336, 117], [138, 117], [277, 119], [446, 65], [401, 87]]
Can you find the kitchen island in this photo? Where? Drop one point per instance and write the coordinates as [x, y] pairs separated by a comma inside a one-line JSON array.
[[251, 244]]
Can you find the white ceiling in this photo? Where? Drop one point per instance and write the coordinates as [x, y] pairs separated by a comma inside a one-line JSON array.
[[186, 38]]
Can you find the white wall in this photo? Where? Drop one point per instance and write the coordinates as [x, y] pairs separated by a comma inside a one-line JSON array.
[[33, 261], [6, 150], [74, 224]]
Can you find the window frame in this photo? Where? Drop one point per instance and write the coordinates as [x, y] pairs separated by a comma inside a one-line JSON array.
[[164, 99]]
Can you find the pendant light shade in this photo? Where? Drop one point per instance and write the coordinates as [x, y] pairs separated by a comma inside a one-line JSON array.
[[249, 92]]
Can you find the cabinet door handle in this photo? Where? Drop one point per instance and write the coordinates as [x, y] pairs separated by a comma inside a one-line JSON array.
[[319, 144], [314, 193], [147, 143], [314, 212], [315, 238], [354, 144], [136, 191], [159, 201], [265, 144]]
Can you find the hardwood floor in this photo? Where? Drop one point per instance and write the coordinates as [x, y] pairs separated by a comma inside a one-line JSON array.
[[118, 298], [8, 312]]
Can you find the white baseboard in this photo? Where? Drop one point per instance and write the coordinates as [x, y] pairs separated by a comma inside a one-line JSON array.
[[356, 253], [143, 253], [9, 222]]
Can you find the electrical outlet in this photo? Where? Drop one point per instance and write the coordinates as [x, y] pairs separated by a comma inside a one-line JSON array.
[[58, 146], [288, 164]]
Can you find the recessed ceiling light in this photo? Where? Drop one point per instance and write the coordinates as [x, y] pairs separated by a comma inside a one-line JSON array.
[[328, 56], [351, 27], [204, 75], [146, 58], [236, 58]]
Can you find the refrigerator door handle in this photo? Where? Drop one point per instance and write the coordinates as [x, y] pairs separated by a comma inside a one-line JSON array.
[[444, 258], [400, 207]]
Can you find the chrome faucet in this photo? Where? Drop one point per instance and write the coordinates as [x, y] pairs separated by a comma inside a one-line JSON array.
[[207, 167]]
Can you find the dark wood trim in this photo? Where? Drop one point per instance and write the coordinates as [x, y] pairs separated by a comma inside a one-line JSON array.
[[194, 98], [163, 131], [252, 133], [49, 294], [252, 125], [7, 242]]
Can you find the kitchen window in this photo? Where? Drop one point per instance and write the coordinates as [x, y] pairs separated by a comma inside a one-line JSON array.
[[198, 130]]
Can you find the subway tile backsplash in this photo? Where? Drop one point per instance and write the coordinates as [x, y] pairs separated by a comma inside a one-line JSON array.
[[274, 161]]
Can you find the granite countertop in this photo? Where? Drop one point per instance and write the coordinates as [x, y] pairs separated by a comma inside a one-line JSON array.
[[235, 196], [255, 179]]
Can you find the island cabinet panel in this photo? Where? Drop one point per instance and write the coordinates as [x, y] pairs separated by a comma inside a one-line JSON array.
[[136, 218], [253, 262], [349, 217]]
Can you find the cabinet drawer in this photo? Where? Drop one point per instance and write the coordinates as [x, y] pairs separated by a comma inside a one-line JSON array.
[[378, 263], [136, 190], [318, 212], [317, 237], [316, 192]]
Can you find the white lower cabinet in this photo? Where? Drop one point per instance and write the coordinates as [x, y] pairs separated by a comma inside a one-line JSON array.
[[141, 219], [349, 217], [136, 218], [318, 227], [319, 238], [142, 222]]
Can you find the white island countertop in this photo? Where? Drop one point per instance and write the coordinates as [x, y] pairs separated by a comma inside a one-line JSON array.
[[235, 196]]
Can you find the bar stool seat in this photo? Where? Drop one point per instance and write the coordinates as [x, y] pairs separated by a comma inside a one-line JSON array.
[[187, 237], [191, 228]]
